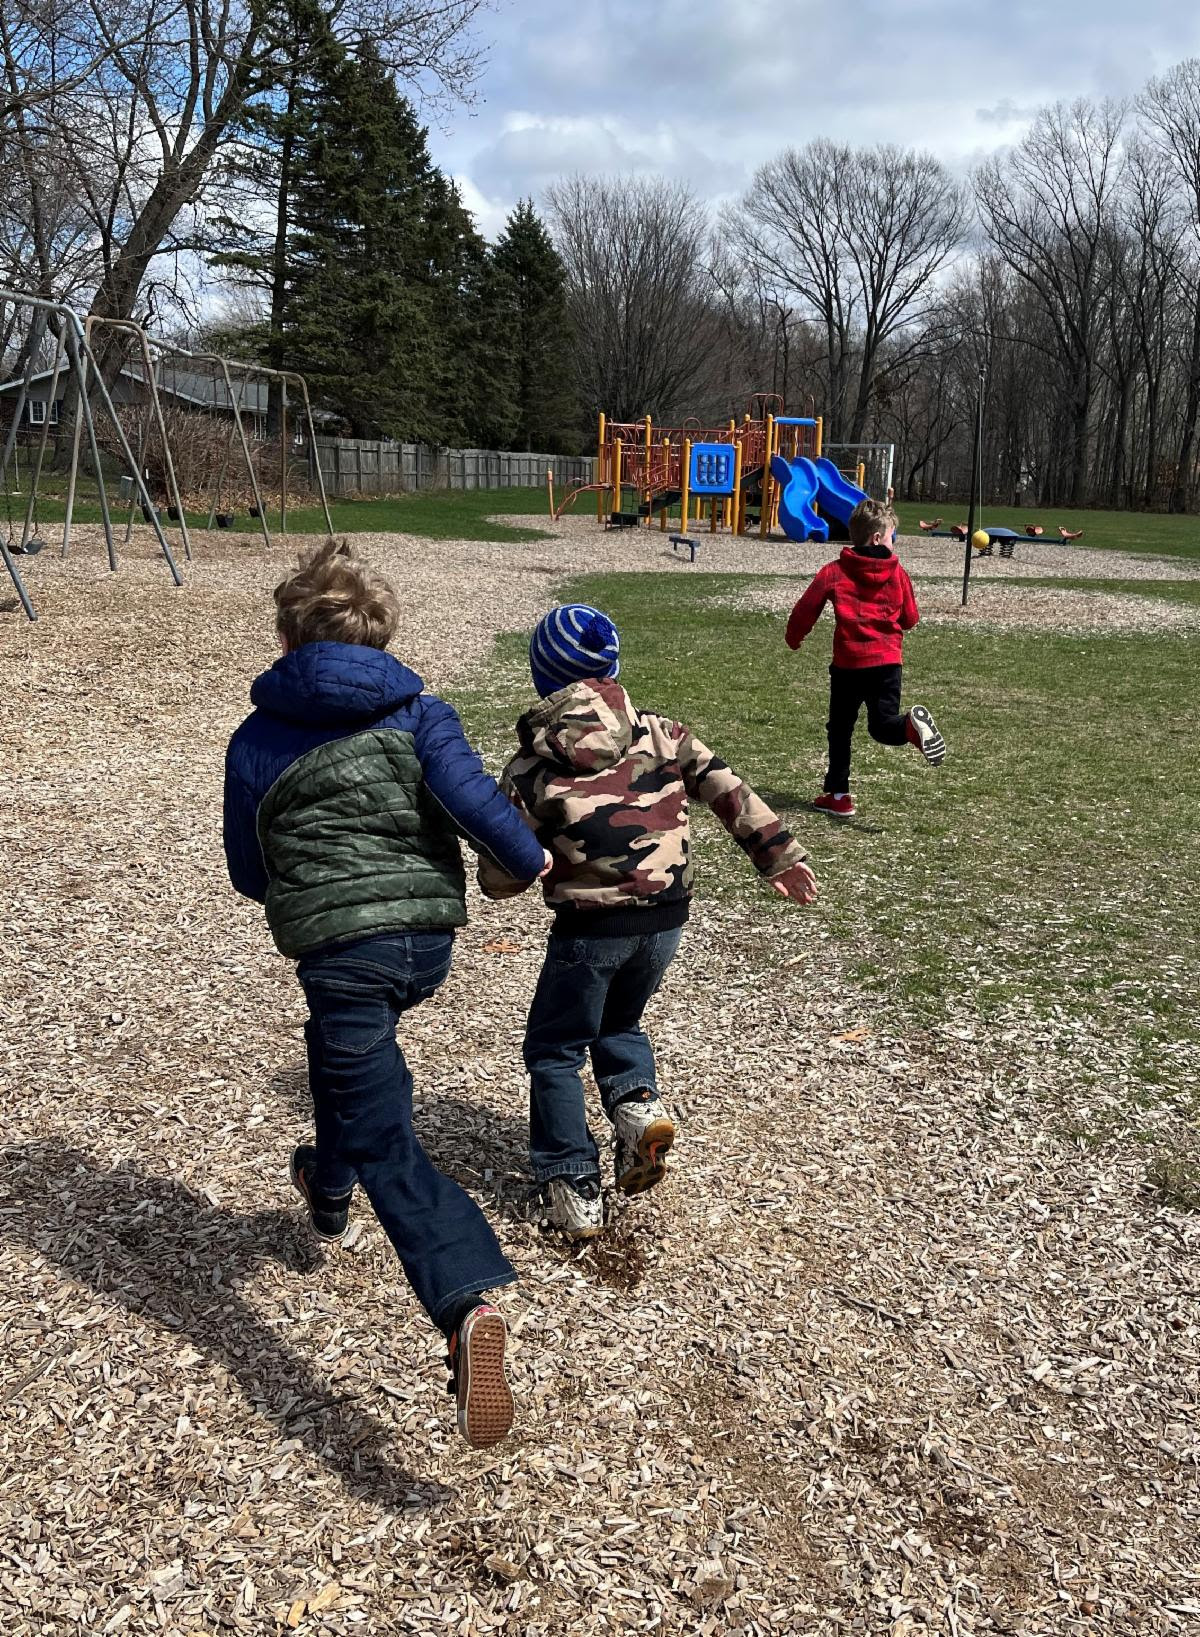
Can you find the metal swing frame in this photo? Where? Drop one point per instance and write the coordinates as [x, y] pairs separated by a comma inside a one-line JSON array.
[[73, 339]]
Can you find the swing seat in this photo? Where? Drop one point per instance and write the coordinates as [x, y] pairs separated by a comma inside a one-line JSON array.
[[33, 545], [224, 520]]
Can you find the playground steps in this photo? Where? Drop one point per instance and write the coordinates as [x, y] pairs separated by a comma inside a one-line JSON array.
[[660, 502]]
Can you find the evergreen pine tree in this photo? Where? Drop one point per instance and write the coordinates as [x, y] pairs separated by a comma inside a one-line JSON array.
[[375, 260], [472, 392], [491, 324], [533, 279], [251, 251]]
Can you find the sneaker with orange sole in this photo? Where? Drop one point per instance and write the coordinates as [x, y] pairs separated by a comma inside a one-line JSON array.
[[479, 1380], [644, 1132]]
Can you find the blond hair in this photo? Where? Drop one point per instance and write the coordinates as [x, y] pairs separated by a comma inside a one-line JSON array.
[[335, 597], [871, 517]]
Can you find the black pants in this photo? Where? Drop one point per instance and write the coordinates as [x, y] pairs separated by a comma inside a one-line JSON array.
[[878, 688]]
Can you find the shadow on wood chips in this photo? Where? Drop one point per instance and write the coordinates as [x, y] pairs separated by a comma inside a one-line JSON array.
[[168, 1254]]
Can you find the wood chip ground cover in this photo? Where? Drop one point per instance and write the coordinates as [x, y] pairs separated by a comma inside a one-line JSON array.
[[886, 1354], [1000, 607]]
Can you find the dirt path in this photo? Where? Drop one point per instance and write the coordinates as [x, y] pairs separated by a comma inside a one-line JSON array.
[[885, 1355]]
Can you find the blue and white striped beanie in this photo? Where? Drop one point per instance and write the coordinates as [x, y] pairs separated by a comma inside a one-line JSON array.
[[571, 643]]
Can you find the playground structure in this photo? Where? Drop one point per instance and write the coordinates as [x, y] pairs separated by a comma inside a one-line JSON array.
[[75, 367], [765, 473]]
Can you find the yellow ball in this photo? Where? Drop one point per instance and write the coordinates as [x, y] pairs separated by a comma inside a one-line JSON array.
[[981, 539]]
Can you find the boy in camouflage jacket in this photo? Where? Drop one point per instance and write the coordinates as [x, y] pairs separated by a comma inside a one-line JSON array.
[[605, 788]]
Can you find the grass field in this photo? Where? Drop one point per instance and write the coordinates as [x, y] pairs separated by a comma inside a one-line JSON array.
[[1152, 532], [1036, 881], [435, 515]]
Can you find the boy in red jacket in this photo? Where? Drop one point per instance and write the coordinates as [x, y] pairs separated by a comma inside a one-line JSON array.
[[873, 606]]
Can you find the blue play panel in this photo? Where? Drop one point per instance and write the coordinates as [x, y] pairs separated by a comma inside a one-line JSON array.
[[711, 469]]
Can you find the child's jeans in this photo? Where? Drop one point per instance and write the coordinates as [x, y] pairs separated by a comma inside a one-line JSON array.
[[878, 688], [362, 1106], [590, 998]]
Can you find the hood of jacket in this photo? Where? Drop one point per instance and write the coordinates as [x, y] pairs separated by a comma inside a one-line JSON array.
[[871, 572], [335, 684], [587, 727]]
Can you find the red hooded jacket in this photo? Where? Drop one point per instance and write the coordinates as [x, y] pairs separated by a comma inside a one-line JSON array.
[[873, 606]]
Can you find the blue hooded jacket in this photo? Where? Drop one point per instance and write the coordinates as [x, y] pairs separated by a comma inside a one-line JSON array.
[[343, 792]]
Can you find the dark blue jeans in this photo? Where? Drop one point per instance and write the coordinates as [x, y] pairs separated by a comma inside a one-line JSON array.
[[589, 998], [362, 1107]]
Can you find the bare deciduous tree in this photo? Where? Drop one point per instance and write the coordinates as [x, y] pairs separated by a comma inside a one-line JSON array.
[[1171, 109], [1047, 206], [635, 253], [858, 237], [144, 125]]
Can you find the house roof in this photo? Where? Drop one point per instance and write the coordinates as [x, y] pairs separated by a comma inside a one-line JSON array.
[[204, 389]]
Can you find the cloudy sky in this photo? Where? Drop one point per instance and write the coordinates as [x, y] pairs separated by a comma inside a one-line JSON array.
[[706, 90]]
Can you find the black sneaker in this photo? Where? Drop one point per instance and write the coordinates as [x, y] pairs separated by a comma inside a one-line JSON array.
[[923, 732], [328, 1214], [478, 1378]]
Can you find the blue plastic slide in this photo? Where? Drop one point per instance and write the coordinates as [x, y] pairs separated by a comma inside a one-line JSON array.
[[798, 481], [836, 497]]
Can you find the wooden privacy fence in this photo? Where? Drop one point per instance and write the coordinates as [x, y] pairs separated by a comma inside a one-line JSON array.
[[361, 466]]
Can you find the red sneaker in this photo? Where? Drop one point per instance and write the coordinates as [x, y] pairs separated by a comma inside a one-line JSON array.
[[835, 806]]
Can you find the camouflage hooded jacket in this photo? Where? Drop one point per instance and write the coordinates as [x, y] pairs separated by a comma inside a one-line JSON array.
[[605, 788]]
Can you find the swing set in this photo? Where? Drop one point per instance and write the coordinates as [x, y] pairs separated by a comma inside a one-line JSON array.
[[74, 362]]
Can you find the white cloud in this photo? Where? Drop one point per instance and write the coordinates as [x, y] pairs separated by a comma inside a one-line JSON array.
[[705, 91], [531, 150], [490, 214]]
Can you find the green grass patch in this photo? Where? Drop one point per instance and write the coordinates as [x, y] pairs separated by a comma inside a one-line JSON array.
[[1174, 1179], [1157, 533], [1044, 873], [439, 514]]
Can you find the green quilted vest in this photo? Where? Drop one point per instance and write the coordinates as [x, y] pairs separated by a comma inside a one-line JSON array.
[[356, 845]]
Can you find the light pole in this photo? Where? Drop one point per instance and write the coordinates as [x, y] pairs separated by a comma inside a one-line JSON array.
[[976, 474]]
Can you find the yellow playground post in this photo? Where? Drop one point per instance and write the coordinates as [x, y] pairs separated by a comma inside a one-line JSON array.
[[646, 474], [820, 439], [737, 488], [685, 478], [727, 508], [768, 482], [616, 476], [662, 516], [600, 473]]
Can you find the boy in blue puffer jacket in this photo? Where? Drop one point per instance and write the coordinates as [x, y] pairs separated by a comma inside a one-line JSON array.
[[346, 791]]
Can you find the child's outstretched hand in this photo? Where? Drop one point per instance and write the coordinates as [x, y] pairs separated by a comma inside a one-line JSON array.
[[799, 884], [547, 866]]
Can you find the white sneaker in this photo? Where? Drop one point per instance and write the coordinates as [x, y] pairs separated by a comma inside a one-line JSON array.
[[645, 1132], [575, 1207]]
